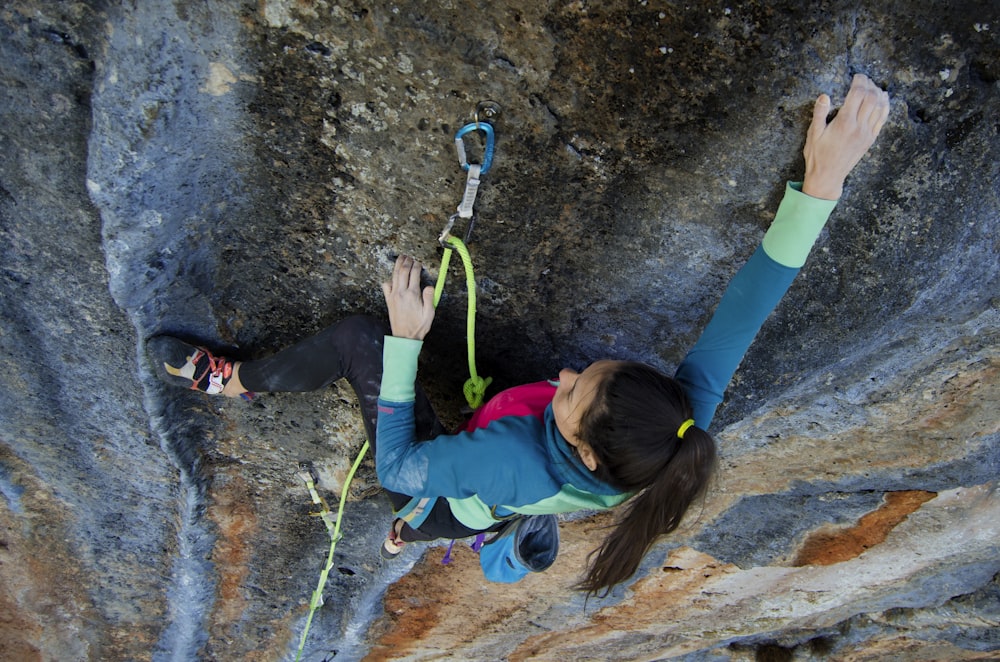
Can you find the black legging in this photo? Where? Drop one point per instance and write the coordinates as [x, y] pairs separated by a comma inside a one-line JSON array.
[[352, 350]]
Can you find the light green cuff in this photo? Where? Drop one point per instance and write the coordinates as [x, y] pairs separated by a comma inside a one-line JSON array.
[[796, 226], [399, 369]]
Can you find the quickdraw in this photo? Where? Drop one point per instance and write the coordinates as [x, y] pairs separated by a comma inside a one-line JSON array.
[[474, 170], [475, 387]]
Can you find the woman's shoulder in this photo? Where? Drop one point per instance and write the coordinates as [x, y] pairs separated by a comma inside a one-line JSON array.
[[528, 400]]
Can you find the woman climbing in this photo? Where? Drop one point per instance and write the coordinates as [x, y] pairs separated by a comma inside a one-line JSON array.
[[618, 432]]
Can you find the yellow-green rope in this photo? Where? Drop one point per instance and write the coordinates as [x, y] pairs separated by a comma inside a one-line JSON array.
[[474, 390], [475, 386], [317, 596]]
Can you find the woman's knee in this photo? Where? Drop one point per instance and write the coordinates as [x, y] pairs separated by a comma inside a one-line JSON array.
[[358, 341], [355, 333], [362, 326]]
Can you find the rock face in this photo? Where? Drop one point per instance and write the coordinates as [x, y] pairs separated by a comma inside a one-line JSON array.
[[243, 173]]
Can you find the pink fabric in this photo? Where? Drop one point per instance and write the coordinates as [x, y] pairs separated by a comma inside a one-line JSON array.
[[526, 400]]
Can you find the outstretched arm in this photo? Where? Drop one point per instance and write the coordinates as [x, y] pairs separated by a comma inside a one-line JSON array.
[[831, 152]]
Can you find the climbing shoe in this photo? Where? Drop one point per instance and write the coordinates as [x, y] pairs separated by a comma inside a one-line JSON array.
[[182, 364], [393, 544]]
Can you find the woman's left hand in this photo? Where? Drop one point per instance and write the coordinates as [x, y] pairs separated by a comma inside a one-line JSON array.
[[411, 308], [833, 149]]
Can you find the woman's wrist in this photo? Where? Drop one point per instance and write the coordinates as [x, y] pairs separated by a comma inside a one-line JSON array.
[[824, 188]]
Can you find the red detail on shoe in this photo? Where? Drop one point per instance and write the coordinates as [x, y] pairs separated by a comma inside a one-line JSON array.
[[216, 366]]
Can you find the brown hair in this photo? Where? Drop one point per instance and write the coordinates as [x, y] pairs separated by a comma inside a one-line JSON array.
[[632, 428]]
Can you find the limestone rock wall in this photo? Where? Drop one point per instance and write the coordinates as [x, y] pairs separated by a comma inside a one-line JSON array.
[[243, 173]]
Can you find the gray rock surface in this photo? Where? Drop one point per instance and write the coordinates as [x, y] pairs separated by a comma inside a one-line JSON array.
[[243, 173]]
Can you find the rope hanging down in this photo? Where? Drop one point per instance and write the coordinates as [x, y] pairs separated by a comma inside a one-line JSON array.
[[334, 529], [475, 387]]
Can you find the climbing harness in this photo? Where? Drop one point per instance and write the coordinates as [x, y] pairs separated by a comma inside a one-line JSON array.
[[474, 388]]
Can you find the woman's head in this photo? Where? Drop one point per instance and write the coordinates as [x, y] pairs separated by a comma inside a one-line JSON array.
[[624, 417], [578, 394]]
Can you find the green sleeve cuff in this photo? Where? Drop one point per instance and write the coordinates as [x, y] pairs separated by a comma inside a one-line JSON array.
[[399, 369], [796, 226]]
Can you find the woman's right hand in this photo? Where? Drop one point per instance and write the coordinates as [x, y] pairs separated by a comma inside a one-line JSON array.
[[832, 150], [411, 309]]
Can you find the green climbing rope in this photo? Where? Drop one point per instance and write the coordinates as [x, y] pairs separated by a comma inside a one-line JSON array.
[[475, 386], [317, 596], [474, 390]]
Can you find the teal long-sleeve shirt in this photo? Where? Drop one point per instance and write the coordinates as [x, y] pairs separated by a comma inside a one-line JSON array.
[[751, 296]]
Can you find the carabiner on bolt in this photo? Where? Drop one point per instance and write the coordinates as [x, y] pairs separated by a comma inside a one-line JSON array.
[[487, 130], [443, 237]]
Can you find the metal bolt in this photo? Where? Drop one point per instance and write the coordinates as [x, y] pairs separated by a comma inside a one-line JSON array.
[[488, 110]]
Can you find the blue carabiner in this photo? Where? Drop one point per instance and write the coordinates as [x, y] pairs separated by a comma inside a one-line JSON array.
[[487, 129]]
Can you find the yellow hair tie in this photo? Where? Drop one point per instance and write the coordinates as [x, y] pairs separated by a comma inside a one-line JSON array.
[[684, 427]]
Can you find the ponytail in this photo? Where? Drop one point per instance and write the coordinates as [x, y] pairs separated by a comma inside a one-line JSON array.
[[632, 429]]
